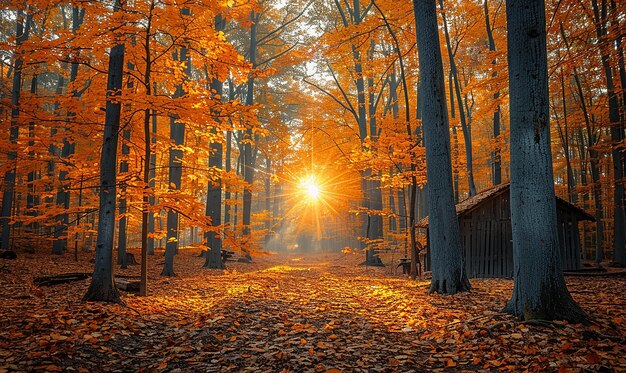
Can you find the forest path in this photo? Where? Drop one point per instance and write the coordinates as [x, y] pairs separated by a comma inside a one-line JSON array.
[[300, 313]]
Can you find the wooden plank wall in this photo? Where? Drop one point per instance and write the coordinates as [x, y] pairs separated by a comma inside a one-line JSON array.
[[487, 239]]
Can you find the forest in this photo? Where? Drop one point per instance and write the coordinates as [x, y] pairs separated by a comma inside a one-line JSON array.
[[312, 185]]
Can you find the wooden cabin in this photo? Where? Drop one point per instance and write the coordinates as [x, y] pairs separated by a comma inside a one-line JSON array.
[[485, 224]]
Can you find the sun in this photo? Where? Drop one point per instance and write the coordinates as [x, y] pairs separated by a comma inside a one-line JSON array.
[[310, 188]]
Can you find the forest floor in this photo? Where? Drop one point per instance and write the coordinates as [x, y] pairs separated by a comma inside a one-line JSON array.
[[298, 313]]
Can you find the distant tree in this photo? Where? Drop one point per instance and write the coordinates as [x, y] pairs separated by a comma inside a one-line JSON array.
[[63, 197], [448, 269], [539, 289], [496, 157]]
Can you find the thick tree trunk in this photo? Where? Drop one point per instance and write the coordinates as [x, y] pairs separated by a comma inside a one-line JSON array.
[[248, 159], [539, 287], [177, 135], [448, 269], [102, 287], [375, 232], [213, 257], [22, 29]]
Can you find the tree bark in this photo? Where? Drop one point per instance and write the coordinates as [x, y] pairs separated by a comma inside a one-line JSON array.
[[152, 179], [59, 245], [496, 154], [448, 269], [248, 159], [213, 239], [32, 199], [177, 135], [22, 29], [102, 287], [148, 190], [465, 126], [592, 141], [539, 287]]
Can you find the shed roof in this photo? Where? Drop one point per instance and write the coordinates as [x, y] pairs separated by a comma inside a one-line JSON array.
[[473, 202]]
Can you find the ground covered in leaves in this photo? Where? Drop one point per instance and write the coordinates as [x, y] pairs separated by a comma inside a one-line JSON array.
[[317, 313]]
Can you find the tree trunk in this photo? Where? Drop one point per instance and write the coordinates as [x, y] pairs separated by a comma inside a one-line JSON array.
[[415, 269], [248, 163], [448, 269], [32, 199], [213, 239], [592, 141], [22, 29], [148, 191], [177, 135], [102, 287], [375, 194], [571, 185], [617, 129], [539, 287], [361, 115], [496, 154], [152, 179], [268, 199], [59, 245], [619, 242], [122, 258], [465, 127]]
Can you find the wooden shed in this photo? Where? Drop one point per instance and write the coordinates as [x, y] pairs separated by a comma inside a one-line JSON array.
[[485, 224]]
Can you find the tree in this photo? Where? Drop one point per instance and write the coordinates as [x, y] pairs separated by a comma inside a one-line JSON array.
[[22, 28], [600, 12], [177, 136], [465, 125], [539, 287], [102, 287], [448, 268], [214, 192], [59, 244], [495, 156]]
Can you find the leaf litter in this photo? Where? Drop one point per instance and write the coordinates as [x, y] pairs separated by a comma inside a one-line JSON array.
[[294, 313]]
